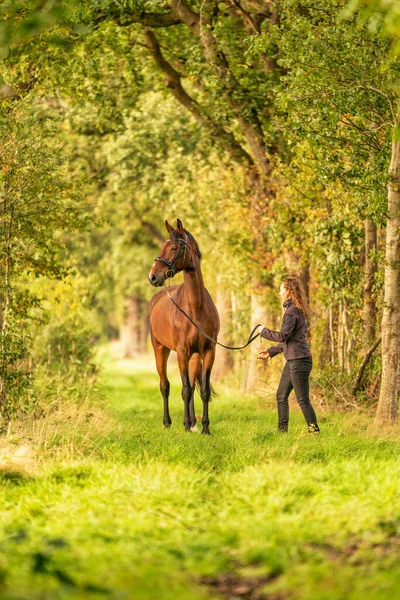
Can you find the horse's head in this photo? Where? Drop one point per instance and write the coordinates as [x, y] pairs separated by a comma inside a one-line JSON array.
[[174, 255]]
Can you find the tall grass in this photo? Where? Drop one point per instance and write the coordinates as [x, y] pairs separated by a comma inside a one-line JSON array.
[[108, 504]]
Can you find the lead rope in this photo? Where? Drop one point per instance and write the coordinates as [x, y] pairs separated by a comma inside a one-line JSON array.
[[251, 336]]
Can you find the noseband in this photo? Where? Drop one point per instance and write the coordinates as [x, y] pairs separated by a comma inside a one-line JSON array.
[[171, 265]]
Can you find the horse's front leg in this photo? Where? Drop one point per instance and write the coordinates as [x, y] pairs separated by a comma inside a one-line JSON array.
[[183, 363], [208, 361], [162, 354], [194, 368]]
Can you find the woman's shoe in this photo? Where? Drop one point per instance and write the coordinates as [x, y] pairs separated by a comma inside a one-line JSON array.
[[313, 428]]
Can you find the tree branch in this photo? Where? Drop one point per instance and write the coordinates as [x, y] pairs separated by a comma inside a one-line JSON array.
[[155, 233], [253, 22], [201, 26], [364, 363], [146, 19], [173, 82]]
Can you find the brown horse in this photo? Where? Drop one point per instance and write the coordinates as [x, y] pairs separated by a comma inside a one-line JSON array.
[[171, 330]]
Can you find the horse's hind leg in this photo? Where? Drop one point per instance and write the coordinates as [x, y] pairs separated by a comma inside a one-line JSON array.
[[194, 366], [208, 361], [162, 354]]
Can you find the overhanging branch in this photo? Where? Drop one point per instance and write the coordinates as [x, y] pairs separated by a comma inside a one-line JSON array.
[[174, 84], [202, 28], [146, 19]]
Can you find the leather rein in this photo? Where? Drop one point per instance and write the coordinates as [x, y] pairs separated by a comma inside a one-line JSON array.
[[171, 272]]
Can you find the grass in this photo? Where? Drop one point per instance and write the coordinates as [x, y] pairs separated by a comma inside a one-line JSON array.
[[102, 502]]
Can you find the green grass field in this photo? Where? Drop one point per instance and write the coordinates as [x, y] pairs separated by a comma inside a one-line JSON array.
[[102, 502]]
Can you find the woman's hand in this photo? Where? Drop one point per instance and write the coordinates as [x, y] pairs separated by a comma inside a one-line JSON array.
[[264, 355]]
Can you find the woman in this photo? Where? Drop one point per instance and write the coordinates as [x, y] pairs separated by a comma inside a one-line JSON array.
[[293, 343]]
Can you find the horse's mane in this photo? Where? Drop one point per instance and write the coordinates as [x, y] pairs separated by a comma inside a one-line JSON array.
[[175, 237]]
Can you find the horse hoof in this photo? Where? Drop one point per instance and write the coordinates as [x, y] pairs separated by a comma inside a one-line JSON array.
[[167, 425], [194, 428], [206, 431]]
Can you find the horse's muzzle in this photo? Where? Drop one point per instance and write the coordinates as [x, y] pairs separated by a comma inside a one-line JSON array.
[[156, 280]]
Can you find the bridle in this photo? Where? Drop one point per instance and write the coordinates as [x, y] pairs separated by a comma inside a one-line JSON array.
[[171, 265]]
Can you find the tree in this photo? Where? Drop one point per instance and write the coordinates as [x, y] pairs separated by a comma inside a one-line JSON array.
[[388, 24], [352, 113]]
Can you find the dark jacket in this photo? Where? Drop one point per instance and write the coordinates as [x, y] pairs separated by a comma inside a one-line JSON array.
[[292, 336]]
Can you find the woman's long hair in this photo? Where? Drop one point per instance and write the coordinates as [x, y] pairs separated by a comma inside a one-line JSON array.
[[296, 293]]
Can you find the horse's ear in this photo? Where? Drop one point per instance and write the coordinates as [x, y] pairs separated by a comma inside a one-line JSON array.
[[179, 226], [169, 227]]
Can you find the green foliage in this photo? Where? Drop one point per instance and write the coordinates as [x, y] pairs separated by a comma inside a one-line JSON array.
[[38, 205], [341, 108], [15, 375], [24, 20], [63, 335], [64, 330], [380, 15], [337, 108]]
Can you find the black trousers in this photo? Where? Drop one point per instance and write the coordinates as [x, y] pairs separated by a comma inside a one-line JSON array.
[[295, 375]]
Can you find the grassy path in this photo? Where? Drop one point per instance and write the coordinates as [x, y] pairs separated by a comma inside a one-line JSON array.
[[111, 505]]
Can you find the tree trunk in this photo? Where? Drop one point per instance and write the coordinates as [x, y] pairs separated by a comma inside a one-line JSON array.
[[144, 327], [223, 358], [369, 312], [340, 337], [322, 352], [364, 363], [349, 338], [131, 329], [304, 275], [331, 334], [387, 404]]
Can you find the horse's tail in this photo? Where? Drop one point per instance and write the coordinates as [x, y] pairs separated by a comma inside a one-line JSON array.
[[199, 378]]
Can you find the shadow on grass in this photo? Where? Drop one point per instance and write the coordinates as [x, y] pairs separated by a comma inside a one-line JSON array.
[[13, 476]]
